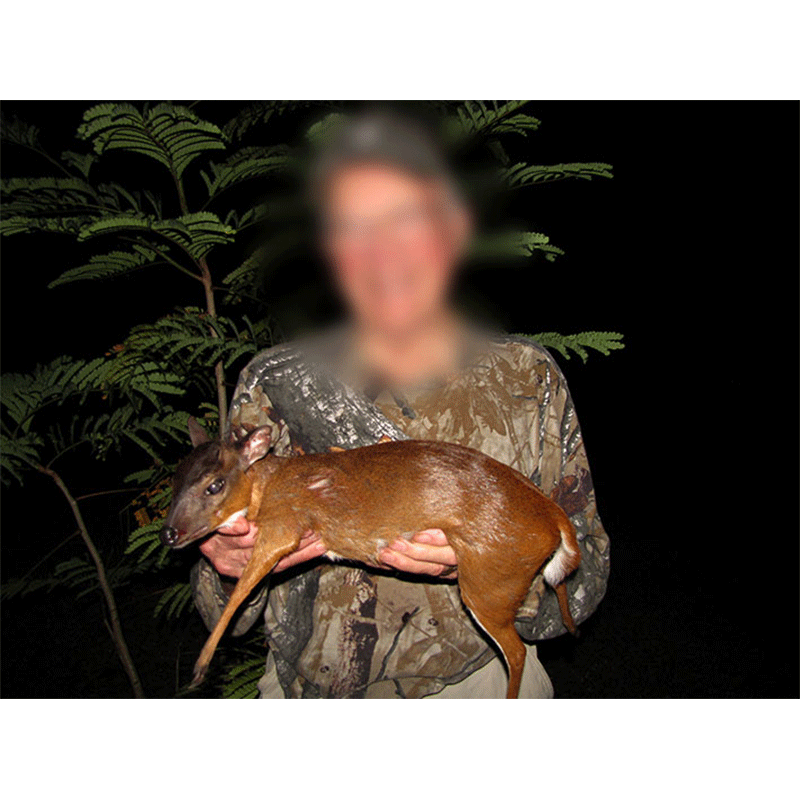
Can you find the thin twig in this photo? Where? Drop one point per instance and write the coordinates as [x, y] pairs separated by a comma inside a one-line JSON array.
[[107, 491], [115, 628]]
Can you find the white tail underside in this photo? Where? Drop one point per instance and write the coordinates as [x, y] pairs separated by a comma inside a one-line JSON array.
[[558, 566]]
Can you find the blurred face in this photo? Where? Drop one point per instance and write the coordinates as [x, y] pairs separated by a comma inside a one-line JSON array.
[[393, 241]]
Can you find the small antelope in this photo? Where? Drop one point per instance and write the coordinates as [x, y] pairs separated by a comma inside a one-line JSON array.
[[502, 528]]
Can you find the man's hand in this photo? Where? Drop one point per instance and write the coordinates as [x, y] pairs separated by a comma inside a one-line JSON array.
[[428, 553], [230, 548]]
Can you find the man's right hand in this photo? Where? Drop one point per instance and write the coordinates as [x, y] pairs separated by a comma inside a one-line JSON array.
[[230, 548]]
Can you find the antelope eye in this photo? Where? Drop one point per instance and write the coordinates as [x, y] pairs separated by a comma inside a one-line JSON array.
[[216, 487]]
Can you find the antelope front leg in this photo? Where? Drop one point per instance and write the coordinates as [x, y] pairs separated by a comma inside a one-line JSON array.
[[265, 557]]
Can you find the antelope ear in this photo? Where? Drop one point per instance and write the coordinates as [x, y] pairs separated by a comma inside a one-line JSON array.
[[197, 433], [255, 445]]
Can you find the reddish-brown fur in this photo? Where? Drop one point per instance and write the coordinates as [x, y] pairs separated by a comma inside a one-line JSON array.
[[501, 526]]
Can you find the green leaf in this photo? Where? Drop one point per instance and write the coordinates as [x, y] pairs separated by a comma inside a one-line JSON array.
[[240, 682], [19, 454], [526, 174], [259, 113], [117, 262], [476, 118], [320, 132], [123, 223], [143, 536], [196, 233], [516, 244], [249, 163], [602, 341], [82, 162], [47, 196], [186, 337], [17, 131], [172, 135], [67, 225], [174, 601]]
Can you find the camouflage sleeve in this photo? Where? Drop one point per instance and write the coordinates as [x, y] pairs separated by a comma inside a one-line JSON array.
[[250, 409], [564, 475]]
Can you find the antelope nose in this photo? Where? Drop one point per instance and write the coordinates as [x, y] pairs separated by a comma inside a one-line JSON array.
[[169, 535]]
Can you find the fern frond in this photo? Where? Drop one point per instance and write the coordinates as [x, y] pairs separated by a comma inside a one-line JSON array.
[[259, 113], [245, 279], [516, 244], [143, 537], [33, 197], [527, 174], [203, 229], [22, 394], [77, 574], [249, 163], [118, 262], [122, 223], [185, 336], [476, 118], [197, 233], [319, 133], [602, 341], [240, 682], [67, 225], [82, 162], [252, 216], [170, 134], [18, 455], [17, 131], [118, 198], [174, 601]]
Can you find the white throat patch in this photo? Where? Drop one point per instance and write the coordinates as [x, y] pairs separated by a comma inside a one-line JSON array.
[[233, 517]]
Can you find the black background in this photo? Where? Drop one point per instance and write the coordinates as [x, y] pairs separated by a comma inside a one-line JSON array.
[[691, 431]]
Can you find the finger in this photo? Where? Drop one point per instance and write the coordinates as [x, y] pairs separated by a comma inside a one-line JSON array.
[[238, 527], [406, 564], [300, 556], [230, 563], [220, 548], [425, 552], [431, 536], [239, 541]]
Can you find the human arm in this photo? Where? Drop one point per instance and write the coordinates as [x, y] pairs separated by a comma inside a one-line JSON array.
[[562, 472]]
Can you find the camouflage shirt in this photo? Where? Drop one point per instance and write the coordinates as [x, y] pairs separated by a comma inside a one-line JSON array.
[[339, 630]]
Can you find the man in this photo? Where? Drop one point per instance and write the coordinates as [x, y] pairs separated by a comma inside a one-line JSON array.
[[405, 366]]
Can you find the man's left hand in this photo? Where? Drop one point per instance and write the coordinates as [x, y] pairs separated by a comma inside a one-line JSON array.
[[427, 553]]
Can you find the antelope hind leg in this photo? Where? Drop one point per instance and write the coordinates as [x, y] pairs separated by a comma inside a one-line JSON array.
[[563, 604]]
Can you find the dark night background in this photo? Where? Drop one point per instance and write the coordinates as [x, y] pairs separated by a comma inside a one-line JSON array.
[[691, 251]]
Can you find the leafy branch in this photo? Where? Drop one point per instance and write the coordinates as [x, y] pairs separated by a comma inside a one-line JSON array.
[[602, 341]]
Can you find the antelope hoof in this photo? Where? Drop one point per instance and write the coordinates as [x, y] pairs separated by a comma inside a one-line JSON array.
[[199, 675]]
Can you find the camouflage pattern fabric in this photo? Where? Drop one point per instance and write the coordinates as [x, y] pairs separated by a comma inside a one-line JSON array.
[[339, 630]]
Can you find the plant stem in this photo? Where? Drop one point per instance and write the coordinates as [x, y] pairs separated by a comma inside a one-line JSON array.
[[115, 628], [211, 307], [219, 372]]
